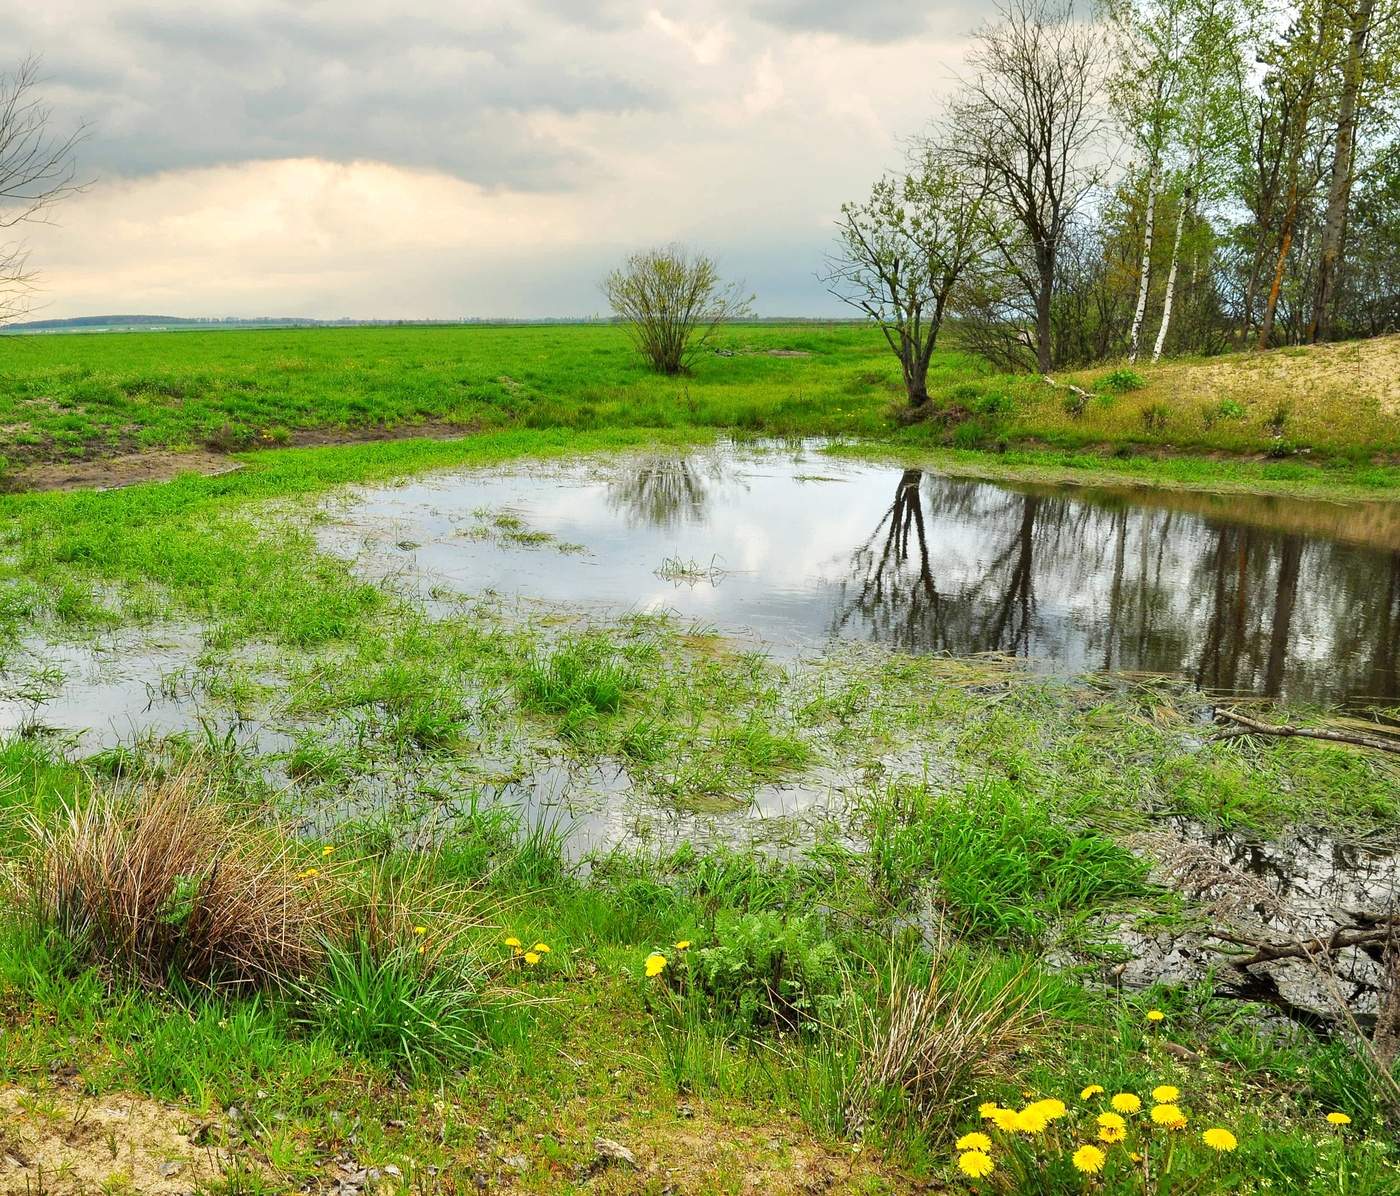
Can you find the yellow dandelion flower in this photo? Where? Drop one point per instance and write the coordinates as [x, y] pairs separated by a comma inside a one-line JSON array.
[[308, 873], [1091, 1091], [533, 957], [974, 1141], [423, 949], [1165, 1094], [1156, 1015], [656, 964], [683, 944], [1006, 1120], [326, 850], [1125, 1102], [1032, 1120], [1111, 1121], [1137, 1158], [1111, 1136], [420, 931], [1218, 1139], [1088, 1159], [976, 1163], [1169, 1115], [1338, 1118], [540, 948], [987, 1109], [1052, 1108], [513, 942]]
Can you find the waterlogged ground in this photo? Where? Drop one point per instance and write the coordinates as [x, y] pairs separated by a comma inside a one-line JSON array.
[[635, 698], [1240, 595], [759, 605]]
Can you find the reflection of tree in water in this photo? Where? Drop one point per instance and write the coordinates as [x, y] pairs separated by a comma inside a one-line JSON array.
[[666, 491], [1108, 584]]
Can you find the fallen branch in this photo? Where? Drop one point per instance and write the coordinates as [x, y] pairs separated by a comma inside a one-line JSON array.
[[1311, 949], [1255, 727]]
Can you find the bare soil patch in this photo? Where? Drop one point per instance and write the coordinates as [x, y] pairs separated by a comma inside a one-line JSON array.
[[61, 1142]]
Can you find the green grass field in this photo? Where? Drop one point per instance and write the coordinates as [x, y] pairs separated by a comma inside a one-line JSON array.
[[334, 965], [69, 397]]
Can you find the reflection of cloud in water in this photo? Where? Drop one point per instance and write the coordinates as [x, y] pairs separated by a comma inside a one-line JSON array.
[[1072, 580]]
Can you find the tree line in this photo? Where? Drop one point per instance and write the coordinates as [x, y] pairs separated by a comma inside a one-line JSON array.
[[1146, 177]]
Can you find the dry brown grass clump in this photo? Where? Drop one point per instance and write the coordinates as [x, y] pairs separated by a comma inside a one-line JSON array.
[[937, 1042], [164, 881]]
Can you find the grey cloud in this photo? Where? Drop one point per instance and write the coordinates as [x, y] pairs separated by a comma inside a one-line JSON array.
[[184, 87], [872, 20]]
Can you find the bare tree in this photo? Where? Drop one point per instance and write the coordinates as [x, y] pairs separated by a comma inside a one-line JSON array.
[[902, 255], [36, 171], [1030, 120], [671, 301]]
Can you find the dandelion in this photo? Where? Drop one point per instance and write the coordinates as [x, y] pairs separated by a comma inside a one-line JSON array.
[[1032, 1120], [326, 850], [533, 957], [976, 1163], [1125, 1102], [513, 942], [683, 944], [540, 948], [1169, 1116], [974, 1141], [1156, 1015], [1218, 1139], [1137, 1158], [1053, 1109], [308, 873], [655, 965], [1111, 1121], [1165, 1094], [988, 1109], [1338, 1118], [1007, 1120], [420, 931], [1111, 1136], [1091, 1091], [423, 949], [1088, 1159]]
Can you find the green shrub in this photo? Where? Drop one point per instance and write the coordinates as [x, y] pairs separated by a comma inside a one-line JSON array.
[[767, 971], [1122, 381]]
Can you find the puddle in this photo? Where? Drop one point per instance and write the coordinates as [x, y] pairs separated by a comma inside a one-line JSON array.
[[116, 690], [1293, 600]]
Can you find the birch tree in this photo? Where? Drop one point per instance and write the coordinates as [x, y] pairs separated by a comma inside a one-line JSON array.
[[1211, 77]]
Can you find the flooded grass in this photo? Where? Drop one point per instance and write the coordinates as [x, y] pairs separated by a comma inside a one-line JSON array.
[[468, 771]]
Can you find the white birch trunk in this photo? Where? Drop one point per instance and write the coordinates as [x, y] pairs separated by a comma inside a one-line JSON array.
[[1171, 278], [1144, 272]]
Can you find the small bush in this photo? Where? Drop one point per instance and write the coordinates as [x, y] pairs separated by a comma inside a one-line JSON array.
[[1229, 409], [162, 883], [1122, 381], [996, 403], [1154, 416], [764, 970]]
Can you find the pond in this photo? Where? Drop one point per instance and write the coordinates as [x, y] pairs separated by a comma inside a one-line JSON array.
[[1238, 594]]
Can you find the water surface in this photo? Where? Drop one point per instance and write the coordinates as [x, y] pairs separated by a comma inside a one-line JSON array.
[[1237, 594]]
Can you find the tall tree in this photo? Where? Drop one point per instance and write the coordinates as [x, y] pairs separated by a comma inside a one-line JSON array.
[[1372, 30], [1030, 120]]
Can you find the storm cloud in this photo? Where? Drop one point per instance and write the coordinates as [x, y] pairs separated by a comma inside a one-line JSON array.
[[585, 128]]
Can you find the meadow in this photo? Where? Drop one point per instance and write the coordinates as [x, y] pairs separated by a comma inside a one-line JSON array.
[[329, 961], [81, 397]]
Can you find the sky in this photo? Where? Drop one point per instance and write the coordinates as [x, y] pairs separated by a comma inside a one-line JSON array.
[[465, 158]]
